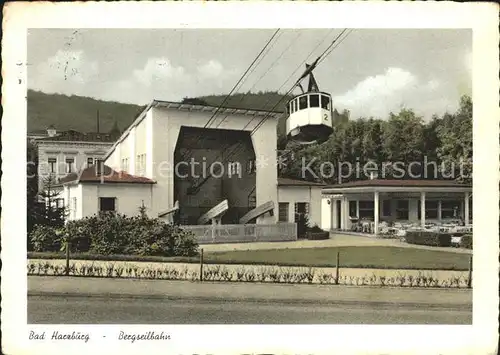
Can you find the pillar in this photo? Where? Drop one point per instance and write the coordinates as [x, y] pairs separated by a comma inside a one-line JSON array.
[[357, 208], [466, 208], [342, 212], [347, 223], [333, 216], [376, 206], [422, 209], [439, 210]]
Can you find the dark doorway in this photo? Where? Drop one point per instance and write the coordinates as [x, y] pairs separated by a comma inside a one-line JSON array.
[[339, 213]]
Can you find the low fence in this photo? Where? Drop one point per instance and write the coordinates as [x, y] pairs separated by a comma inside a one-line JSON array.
[[242, 233]]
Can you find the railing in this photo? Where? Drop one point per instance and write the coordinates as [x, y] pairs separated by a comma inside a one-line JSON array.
[[243, 233]]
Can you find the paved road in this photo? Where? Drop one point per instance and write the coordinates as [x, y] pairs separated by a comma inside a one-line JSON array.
[[87, 300], [58, 309]]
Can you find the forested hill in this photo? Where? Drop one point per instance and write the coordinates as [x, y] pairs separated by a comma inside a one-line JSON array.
[[77, 113], [80, 113]]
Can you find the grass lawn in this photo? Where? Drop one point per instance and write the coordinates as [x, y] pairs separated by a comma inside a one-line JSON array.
[[356, 257], [381, 257]]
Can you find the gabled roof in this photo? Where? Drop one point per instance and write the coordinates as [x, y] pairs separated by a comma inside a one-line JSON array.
[[75, 136], [90, 175], [294, 182]]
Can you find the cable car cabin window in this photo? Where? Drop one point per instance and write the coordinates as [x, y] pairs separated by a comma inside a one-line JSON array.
[[314, 101], [302, 102], [325, 102]]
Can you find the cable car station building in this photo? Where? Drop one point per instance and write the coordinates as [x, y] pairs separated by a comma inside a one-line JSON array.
[[178, 164]]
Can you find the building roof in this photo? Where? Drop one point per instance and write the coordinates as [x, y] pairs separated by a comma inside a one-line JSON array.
[[400, 183], [295, 182], [191, 107], [207, 107], [75, 136], [90, 175], [38, 132]]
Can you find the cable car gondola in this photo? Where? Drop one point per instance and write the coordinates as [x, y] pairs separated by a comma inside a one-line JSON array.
[[309, 114]]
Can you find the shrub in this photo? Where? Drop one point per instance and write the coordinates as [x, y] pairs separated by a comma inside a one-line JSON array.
[[428, 238], [112, 234], [162, 239], [466, 241], [79, 242], [45, 238], [315, 229]]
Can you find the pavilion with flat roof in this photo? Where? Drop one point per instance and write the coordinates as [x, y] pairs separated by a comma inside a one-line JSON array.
[[417, 202]]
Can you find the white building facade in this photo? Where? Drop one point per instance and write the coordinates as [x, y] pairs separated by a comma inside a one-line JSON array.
[[299, 197], [150, 149], [67, 152]]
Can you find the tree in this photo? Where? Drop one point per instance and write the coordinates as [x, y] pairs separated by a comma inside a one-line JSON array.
[[143, 211], [373, 141], [194, 101], [115, 130], [54, 213], [403, 143], [455, 136], [34, 210]]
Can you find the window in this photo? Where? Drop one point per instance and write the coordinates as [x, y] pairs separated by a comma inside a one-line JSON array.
[[251, 167], [99, 166], [60, 203], [302, 102], [125, 164], [386, 208], [70, 165], [283, 211], [302, 207], [314, 101], [140, 164], [325, 102], [402, 210], [90, 161], [234, 168], [366, 209], [353, 208], [450, 209], [431, 209], [52, 164], [107, 204], [56, 203]]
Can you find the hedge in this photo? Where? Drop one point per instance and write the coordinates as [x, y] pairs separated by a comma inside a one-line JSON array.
[[318, 235], [466, 241], [428, 238], [108, 233]]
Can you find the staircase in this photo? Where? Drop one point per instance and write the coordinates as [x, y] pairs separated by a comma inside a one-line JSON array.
[[253, 214], [215, 212]]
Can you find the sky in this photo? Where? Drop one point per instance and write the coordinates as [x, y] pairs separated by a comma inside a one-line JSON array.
[[370, 72]]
